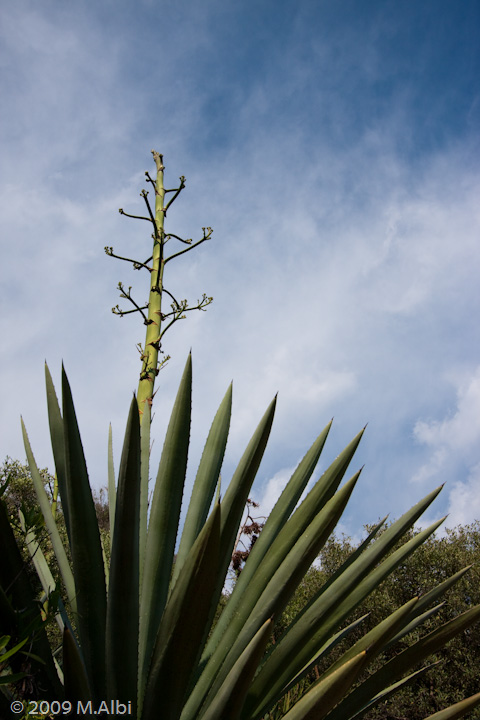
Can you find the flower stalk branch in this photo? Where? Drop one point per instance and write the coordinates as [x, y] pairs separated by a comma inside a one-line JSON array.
[[152, 311]]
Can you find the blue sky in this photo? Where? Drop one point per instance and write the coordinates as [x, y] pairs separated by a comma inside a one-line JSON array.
[[334, 149]]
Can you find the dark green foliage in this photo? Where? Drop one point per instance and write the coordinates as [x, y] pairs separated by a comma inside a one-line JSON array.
[[18, 493], [458, 672], [454, 678], [21, 619]]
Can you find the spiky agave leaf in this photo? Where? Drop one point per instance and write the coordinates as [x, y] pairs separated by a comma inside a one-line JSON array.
[[76, 682], [274, 523], [19, 612], [415, 654], [206, 481], [58, 547], [144, 480], [112, 491], [265, 569], [321, 618], [316, 703], [391, 690], [186, 616], [281, 587], [58, 444], [164, 520], [123, 590], [458, 710], [86, 550], [230, 697], [230, 675]]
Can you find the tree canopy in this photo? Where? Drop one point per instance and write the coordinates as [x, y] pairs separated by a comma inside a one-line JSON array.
[[458, 670], [457, 674]]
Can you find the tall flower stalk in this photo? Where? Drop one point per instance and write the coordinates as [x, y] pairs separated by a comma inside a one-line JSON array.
[[153, 335], [152, 313]]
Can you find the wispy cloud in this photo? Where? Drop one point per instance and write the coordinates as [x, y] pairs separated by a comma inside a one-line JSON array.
[[453, 444], [344, 262]]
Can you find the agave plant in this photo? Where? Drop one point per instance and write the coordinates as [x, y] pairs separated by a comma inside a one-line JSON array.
[[141, 633], [146, 633]]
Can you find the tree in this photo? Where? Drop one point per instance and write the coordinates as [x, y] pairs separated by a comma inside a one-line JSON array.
[[19, 494], [458, 672], [37, 623]]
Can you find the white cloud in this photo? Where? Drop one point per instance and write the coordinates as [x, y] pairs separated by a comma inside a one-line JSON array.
[[272, 490], [460, 434], [343, 265], [454, 443], [464, 500]]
